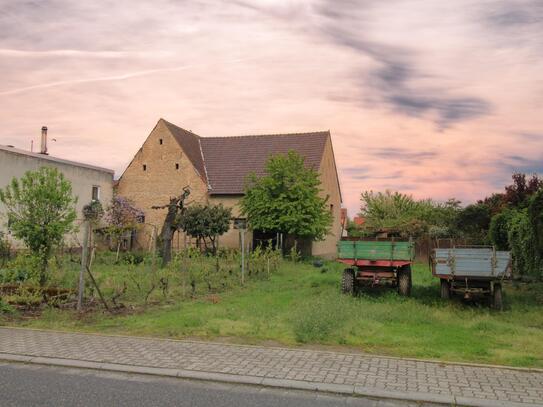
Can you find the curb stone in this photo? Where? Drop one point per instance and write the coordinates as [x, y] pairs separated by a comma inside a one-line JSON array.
[[352, 390]]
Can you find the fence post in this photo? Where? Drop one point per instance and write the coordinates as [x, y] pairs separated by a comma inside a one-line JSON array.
[[242, 232], [84, 262]]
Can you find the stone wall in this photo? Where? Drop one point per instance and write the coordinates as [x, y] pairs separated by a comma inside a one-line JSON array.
[[167, 171]]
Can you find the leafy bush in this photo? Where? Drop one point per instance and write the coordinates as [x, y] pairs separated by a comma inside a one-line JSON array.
[[535, 213], [24, 268], [5, 308], [5, 250], [526, 259], [498, 232]]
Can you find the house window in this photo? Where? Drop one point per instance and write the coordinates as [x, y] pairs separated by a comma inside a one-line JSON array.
[[176, 166], [95, 193], [144, 167], [160, 141]]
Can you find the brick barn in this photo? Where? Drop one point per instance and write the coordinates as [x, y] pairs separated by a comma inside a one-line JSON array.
[[215, 169]]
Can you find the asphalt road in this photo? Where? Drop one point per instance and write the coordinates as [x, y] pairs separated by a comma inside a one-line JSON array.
[[34, 385]]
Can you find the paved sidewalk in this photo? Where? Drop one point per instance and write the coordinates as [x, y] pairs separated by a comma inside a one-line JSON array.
[[280, 367]]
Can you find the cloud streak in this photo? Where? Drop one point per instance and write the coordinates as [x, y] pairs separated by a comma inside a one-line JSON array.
[[74, 53], [120, 77], [395, 76]]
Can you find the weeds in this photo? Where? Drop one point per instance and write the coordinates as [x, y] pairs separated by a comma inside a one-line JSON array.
[[320, 319]]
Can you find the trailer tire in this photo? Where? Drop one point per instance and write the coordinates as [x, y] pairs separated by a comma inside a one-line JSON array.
[[497, 297], [404, 281], [347, 282], [445, 290]]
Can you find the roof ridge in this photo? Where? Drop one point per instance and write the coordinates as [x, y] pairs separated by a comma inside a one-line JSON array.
[[204, 163], [307, 133], [178, 127]]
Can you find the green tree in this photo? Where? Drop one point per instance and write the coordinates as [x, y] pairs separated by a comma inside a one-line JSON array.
[[535, 214], [40, 211], [287, 199], [402, 213], [205, 223], [473, 221]]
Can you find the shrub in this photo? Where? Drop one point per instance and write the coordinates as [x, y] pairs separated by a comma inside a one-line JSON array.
[[24, 268], [5, 250], [526, 259], [498, 232], [5, 308], [535, 213]]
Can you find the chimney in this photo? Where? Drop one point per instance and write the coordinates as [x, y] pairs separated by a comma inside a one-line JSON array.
[[43, 148]]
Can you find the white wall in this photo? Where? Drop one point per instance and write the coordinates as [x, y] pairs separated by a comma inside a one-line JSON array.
[[13, 164]]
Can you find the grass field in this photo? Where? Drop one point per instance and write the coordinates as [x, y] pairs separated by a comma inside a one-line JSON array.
[[299, 304]]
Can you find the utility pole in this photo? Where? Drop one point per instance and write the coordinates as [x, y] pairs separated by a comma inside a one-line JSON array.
[[84, 263]]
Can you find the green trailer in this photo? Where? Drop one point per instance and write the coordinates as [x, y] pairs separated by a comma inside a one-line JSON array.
[[376, 262]]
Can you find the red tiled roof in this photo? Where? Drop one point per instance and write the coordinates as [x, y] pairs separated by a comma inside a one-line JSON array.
[[359, 220], [229, 160], [226, 161]]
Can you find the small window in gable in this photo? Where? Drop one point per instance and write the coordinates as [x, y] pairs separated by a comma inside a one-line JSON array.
[[144, 167], [160, 141], [176, 166]]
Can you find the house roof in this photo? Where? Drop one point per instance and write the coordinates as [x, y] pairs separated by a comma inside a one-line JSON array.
[[224, 162], [46, 157], [190, 143]]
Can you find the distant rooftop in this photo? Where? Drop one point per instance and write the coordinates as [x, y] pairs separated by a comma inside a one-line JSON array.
[[46, 157]]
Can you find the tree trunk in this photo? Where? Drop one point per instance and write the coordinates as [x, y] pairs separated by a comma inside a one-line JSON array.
[[167, 233]]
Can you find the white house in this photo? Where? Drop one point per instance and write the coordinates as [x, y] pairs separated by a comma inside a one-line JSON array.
[[88, 182]]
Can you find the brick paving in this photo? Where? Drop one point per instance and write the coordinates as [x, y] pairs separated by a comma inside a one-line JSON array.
[[383, 373]]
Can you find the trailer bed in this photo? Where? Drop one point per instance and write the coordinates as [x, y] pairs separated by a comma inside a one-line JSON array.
[[473, 263]]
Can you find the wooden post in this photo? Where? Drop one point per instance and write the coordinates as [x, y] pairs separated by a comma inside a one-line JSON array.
[[84, 262], [153, 259], [242, 232]]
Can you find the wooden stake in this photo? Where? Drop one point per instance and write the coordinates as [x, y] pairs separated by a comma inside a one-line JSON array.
[[84, 260]]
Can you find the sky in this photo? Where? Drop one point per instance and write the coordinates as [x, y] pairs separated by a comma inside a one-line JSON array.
[[433, 98]]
